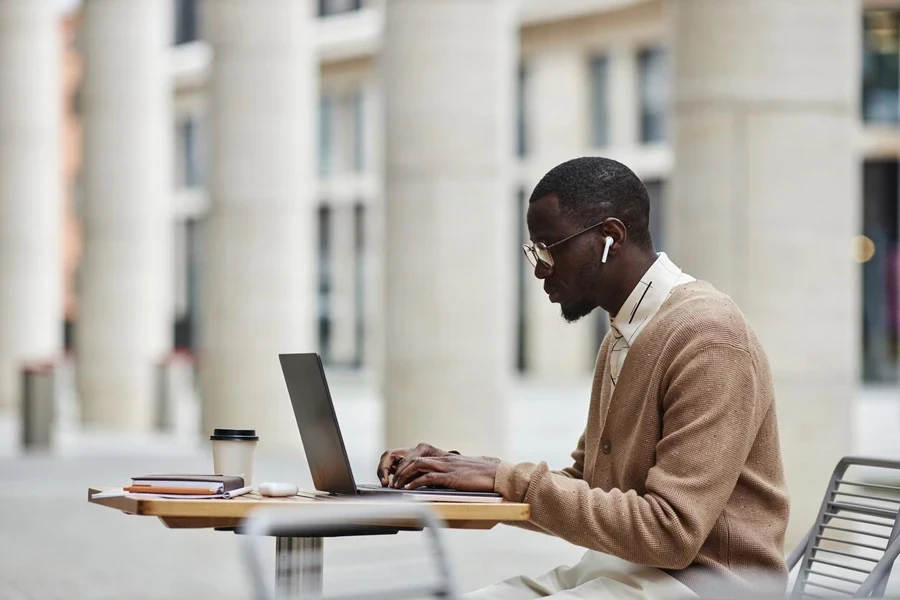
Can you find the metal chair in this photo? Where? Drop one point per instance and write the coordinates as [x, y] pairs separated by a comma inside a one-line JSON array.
[[850, 550], [299, 534]]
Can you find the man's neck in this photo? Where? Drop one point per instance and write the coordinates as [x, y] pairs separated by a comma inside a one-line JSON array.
[[631, 274]]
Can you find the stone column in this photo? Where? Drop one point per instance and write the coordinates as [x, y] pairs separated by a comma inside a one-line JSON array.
[[31, 199], [449, 68], [766, 201], [258, 290], [559, 123], [125, 303]]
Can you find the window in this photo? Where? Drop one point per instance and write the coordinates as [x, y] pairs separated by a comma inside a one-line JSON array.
[[653, 93], [341, 284], [656, 189], [324, 283], [358, 135], [879, 255], [334, 7], [190, 137], [880, 97], [524, 271], [188, 249], [521, 111], [190, 155], [359, 305], [341, 133], [326, 109], [185, 21], [599, 68]]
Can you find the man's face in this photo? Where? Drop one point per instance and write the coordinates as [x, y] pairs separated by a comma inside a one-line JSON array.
[[576, 264]]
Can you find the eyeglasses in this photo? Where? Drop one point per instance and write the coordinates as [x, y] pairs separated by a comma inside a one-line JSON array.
[[540, 252]]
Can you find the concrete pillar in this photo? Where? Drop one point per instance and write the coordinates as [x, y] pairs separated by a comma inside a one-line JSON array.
[[125, 303], [449, 68], [766, 200], [31, 200], [344, 284], [258, 290], [558, 124]]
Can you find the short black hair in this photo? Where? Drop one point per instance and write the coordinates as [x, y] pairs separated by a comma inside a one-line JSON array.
[[593, 188]]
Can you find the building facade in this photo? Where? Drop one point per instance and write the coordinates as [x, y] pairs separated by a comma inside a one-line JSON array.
[[593, 78], [775, 178]]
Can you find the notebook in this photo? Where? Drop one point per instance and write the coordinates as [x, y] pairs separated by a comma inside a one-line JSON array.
[[185, 484]]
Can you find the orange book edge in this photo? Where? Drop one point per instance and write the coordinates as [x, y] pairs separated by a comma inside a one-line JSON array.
[[147, 489]]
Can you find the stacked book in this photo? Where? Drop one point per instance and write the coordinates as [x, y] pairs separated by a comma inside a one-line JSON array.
[[188, 486]]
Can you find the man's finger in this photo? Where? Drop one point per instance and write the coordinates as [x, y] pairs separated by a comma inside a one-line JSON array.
[[383, 465], [406, 469], [381, 470], [419, 451], [411, 469], [431, 479], [388, 464]]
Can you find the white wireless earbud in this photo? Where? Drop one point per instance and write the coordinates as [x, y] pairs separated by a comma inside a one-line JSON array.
[[609, 243]]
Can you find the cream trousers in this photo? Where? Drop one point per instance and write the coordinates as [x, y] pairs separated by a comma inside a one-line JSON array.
[[596, 576]]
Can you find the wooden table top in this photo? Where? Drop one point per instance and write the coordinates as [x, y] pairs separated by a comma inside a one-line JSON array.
[[194, 514]]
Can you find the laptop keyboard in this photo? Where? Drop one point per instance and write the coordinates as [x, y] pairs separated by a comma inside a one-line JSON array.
[[375, 488]]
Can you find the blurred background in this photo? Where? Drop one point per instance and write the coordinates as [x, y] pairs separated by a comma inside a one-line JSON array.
[[188, 188]]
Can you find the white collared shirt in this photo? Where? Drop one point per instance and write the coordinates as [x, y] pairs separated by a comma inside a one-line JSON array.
[[642, 305]]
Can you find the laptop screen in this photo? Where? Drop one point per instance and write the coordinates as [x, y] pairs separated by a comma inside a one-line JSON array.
[[317, 422]]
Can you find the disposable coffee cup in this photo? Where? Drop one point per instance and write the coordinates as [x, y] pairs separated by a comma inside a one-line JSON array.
[[233, 451]]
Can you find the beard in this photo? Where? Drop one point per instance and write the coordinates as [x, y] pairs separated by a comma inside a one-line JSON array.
[[575, 312], [583, 305]]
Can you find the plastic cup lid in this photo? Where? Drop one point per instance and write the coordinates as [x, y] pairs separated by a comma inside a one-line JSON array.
[[237, 435]]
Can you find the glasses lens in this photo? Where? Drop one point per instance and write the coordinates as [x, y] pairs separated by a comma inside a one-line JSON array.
[[529, 254], [543, 254]]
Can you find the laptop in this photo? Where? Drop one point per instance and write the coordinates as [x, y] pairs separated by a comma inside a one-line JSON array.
[[324, 445]]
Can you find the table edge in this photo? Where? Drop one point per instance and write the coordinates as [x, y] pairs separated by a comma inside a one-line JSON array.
[[512, 512]]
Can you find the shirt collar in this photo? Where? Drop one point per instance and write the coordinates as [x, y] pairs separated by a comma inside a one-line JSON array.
[[647, 297]]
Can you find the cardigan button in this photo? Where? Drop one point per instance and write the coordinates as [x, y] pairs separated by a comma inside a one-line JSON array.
[[607, 447]]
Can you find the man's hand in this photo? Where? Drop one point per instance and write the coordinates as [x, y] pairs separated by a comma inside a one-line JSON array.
[[451, 471], [393, 459]]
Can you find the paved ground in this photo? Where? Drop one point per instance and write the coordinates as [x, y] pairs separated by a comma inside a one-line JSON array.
[[54, 545]]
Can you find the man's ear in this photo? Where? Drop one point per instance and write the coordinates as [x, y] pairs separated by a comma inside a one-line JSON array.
[[615, 229]]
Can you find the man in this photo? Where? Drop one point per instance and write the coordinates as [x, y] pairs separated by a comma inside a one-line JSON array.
[[678, 473]]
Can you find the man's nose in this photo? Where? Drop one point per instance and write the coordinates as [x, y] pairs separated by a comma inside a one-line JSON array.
[[542, 270]]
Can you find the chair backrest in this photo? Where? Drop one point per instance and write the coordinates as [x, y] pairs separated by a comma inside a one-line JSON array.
[[851, 548], [411, 565]]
